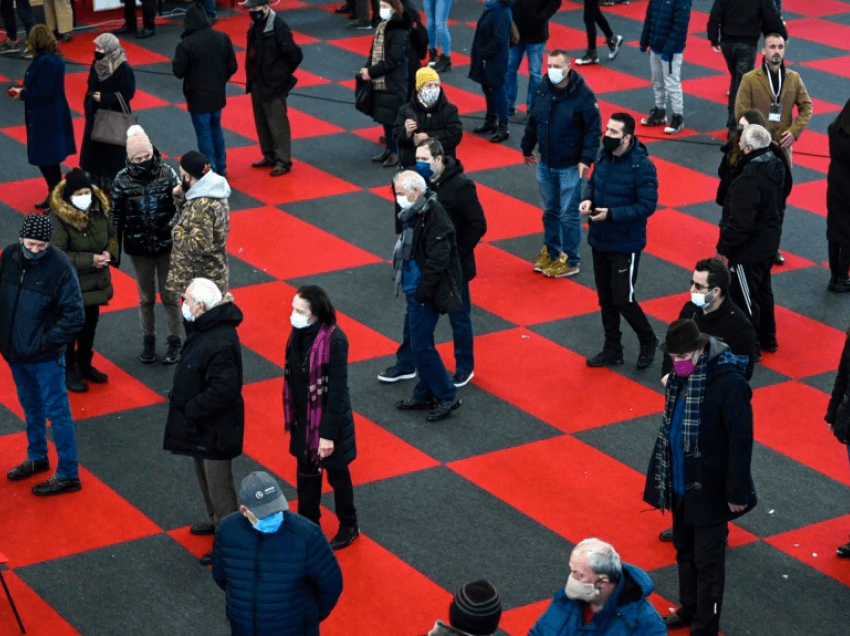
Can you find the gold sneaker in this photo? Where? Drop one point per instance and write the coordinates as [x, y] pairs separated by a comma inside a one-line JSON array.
[[543, 260], [560, 268]]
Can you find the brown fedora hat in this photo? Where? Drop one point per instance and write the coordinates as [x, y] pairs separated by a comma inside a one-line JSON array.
[[683, 336]]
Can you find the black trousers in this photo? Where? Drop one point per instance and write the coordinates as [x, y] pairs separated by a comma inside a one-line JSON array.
[[615, 274], [752, 291], [839, 259], [309, 484], [592, 17], [52, 175], [361, 8], [80, 348], [148, 14], [740, 59], [701, 561]]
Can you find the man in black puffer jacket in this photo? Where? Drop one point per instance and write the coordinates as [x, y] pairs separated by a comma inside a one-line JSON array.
[[205, 61], [206, 412], [142, 209], [278, 571]]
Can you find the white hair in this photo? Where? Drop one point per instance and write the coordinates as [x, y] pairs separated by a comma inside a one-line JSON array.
[[756, 136], [603, 558], [204, 291], [408, 180]]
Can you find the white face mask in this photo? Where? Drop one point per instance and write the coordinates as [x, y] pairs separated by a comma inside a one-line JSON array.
[[430, 95], [187, 313], [586, 592], [299, 321], [556, 75], [385, 14], [81, 201], [701, 300], [403, 203]]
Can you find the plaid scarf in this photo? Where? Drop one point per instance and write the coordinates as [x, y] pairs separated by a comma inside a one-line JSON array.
[[379, 83], [694, 392], [403, 250], [317, 398]]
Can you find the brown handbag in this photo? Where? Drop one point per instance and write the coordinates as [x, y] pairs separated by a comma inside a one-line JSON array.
[[110, 126]]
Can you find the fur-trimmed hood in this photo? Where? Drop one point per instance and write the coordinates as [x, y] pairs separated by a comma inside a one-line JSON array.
[[71, 215]]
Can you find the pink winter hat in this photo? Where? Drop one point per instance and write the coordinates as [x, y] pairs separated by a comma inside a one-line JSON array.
[[138, 143]]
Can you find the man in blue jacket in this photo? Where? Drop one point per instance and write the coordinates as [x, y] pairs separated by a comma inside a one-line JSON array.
[[617, 200], [602, 596], [665, 31], [279, 573], [41, 310], [564, 124]]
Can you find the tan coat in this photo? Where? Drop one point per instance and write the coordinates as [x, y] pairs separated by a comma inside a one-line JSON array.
[[755, 92]]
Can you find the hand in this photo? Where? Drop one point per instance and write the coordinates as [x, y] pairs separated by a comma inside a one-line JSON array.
[[585, 207], [599, 214], [96, 96], [530, 160], [736, 507], [787, 139], [716, 49], [326, 447], [102, 259], [364, 73], [410, 126], [664, 379], [177, 191], [15, 92], [418, 137], [583, 169]]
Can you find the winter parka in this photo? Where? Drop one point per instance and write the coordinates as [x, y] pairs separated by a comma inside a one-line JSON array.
[[435, 251], [395, 68], [272, 57], [665, 29], [50, 133], [838, 187], [491, 44], [440, 121]]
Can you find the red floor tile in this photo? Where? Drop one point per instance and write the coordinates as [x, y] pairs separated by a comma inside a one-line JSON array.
[[197, 545], [76, 87], [815, 546], [506, 286], [29, 535], [514, 361], [796, 356], [809, 196], [821, 31], [821, 107], [38, 617], [81, 50], [265, 440], [263, 306], [238, 116], [835, 65], [666, 308], [712, 88], [519, 620], [788, 418], [814, 9], [126, 292], [682, 186], [360, 44], [681, 238], [507, 217], [478, 153], [812, 142], [466, 101], [24, 194], [604, 79]]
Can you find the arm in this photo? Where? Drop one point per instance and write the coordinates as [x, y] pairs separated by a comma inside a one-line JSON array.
[[218, 565], [804, 111], [337, 385], [742, 341], [126, 86], [474, 222], [394, 54], [323, 571], [180, 63], [549, 9], [112, 246], [592, 131], [737, 416], [232, 64], [529, 137], [221, 381], [714, 19], [450, 136], [840, 386], [82, 261], [740, 222], [194, 232], [771, 21], [69, 308], [48, 80], [438, 250], [399, 132], [119, 210], [500, 37], [646, 197], [679, 34]]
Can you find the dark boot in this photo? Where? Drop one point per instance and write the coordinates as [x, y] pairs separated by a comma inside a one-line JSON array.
[[173, 353], [489, 126], [310, 496], [432, 57], [444, 64], [88, 372], [73, 381], [148, 354], [502, 133], [841, 285]]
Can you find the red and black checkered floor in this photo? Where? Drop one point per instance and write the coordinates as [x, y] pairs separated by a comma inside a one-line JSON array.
[[544, 451]]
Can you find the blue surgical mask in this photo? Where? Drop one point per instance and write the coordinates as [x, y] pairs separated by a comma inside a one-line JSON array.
[[270, 524], [424, 168], [30, 256], [187, 313]]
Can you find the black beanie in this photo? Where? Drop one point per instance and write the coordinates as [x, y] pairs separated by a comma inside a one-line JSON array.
[[194, 163], [75, 180], [476, 609], [37, 227]]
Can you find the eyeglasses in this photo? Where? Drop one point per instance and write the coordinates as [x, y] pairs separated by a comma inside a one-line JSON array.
[[699, 287]]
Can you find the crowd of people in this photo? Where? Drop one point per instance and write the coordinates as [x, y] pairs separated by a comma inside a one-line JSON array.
[[173, 225]]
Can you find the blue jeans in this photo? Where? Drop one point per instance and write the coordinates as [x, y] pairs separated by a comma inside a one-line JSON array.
[[461, 332], [42, 394], [211, 139], [534, 53], [436, 18], [497, 101], [434, 381], [560, 191]]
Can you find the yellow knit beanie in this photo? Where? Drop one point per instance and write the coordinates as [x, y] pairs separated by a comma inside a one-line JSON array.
[[424, 75]]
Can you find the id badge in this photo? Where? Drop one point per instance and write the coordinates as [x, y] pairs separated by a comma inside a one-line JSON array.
[[775, 112]]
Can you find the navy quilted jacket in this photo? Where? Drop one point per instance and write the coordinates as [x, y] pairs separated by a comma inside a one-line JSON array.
[[628, 186], [665, 28], [279, 584]]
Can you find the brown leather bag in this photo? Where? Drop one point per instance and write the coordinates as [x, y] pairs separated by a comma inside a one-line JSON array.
[[110, 126]]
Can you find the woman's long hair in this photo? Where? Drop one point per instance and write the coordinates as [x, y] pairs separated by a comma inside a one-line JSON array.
[[41, 39], [320, 304], [753, 116]]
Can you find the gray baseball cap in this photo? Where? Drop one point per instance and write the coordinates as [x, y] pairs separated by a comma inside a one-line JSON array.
[[261, 494]]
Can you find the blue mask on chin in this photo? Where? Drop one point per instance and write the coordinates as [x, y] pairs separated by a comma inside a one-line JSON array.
[[30, 256], [270, 524]]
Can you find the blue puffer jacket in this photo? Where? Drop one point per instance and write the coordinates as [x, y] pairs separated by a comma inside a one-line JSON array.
[[627, 612], [279, 584], [665, 28], [491, 45], [564, 124], [628, 186]]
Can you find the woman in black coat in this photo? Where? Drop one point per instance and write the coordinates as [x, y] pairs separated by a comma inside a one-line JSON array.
[[388, 68], [839, 390], [488, 65], [110, 76], [317, 410], [838, 202], [429, 114]]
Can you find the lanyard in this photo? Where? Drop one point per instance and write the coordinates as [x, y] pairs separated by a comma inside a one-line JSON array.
[[776, 91]]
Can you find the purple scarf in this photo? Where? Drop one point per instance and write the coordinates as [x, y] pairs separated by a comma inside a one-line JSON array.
[[320, 355]]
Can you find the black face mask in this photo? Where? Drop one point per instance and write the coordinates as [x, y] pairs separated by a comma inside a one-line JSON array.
[[99, 55], [611, 143], [146, 165], [256, 16]]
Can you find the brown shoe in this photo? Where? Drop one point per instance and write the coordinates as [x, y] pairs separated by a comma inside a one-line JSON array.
[[280, 169], [263, 163]]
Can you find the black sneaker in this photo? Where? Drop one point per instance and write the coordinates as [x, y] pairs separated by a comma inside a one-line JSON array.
[[462, 379], [677, 124], [202, 528], [148, 354], [28, 468], [657, 117], [614, 46], [207, 559], [589, 57], [647, 354], [173, 353], [56, 486], [415, 405], [443, 409], [779, 259], [394, 374], [90, 373], [344, 537], [361, 25], [605, 359]]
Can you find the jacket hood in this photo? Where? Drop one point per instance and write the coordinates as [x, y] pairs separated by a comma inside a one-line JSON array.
[[139, 172], [71, 215], [453, 168], [195, 19], [722, 360], [211, 185], [770, 168], [226, 312], [634, 586]]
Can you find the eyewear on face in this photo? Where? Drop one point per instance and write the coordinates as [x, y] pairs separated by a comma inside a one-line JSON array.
[[699, 287]]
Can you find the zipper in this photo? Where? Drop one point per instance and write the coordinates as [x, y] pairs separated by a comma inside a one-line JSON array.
[[256, 582], [15, 309]]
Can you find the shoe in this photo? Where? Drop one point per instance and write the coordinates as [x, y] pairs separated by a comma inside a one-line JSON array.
[[415, 405], [666, 535], [614, 45], [674, 621], [843, 551], [56, 486], [204, 527], [502, 133], [344, 537], [779, 259], [173, 353], [443, 409], [263, 163], [361, 25], [73, 381], [444, 64], [543, 260], [605, 359], [839, 285], [148, 354], [394, 374], [124, 30], [590, 57], [28, 468], [64, 38], [10, 46], [770, 347], [391, 161], [489, 126], [145, 33], [26, 55], [561, 268], [207, 559], [647, 354], [677, 124], [346, 8], [43, 205], [90, 373], [382, 140], [657, 117], [460, 379], [432, 57], [511, 111], [383, 156], [280, 170]]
